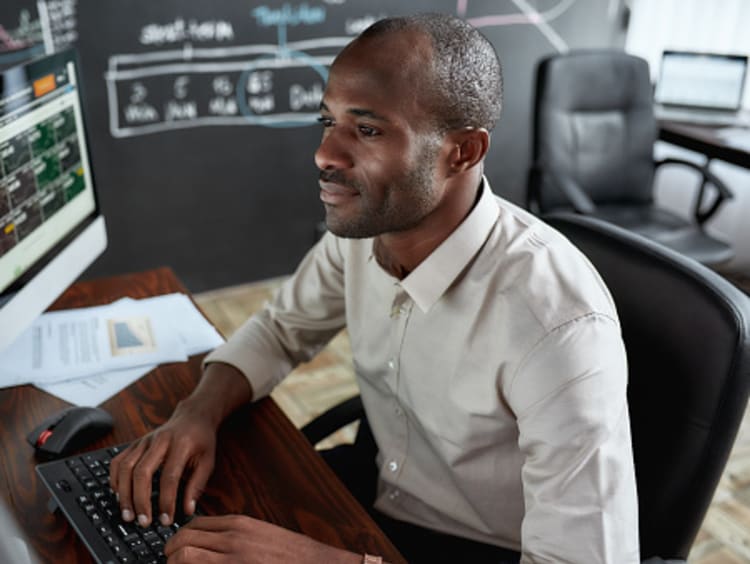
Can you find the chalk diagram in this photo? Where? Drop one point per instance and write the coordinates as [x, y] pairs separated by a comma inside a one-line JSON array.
[[270, 85]]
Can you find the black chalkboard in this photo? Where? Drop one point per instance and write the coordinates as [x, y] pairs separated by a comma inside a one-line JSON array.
[[201, 115]]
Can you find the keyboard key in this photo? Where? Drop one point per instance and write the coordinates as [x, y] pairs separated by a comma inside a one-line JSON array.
[[115, 450], [165, 533], [63, 485], [100, 471], [82, 474], [73, 463], [142, 552], [126, 529], [117, 547], [157, 546]]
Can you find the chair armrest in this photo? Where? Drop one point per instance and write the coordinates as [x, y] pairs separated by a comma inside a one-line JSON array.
[[707, 177], [333, 419]]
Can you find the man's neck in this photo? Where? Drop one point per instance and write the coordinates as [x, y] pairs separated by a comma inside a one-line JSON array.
[[399, 253]]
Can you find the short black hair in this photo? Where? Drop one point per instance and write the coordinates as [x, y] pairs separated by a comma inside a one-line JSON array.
[[467, 75]]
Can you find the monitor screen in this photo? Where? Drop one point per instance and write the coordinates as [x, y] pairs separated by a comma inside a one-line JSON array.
[[701, 80], [50, 225]]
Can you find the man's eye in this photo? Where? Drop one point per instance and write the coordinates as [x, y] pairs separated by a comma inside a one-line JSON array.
[[325, 121], [368, 131]]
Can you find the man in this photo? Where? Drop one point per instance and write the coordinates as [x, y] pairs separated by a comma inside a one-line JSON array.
[[487, 350]]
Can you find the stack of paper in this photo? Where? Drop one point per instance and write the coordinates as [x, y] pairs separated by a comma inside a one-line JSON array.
[[87, 355]]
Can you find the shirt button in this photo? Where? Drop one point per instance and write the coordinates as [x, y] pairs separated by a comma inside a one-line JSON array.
[[393, 466], [391, 364], [394, 495], [399, 411]]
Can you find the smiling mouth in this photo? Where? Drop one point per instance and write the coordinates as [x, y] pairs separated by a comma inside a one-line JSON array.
[[333, 194]]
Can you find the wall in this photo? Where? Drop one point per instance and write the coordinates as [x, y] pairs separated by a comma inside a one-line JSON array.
[[201, 115]]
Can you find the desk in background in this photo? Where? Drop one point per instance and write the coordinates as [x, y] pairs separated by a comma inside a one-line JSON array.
[[715, 144], [707, 140], [265, 467]]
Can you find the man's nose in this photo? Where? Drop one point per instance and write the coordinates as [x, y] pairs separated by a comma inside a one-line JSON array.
[[333, 152]]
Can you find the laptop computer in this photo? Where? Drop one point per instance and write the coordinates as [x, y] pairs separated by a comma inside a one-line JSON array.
[[701, 88]]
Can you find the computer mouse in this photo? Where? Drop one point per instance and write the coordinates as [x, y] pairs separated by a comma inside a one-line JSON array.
[[70, 429]]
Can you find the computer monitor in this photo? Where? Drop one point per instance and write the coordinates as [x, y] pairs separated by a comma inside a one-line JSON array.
[[51, 227], [701, 80]]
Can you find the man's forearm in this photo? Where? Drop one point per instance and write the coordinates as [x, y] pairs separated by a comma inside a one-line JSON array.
[[221, 390]]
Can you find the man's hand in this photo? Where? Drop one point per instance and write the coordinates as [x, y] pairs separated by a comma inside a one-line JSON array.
[[184, 445], [238, 539]]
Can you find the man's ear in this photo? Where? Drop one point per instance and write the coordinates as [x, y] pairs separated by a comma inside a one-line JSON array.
[[468, 148]]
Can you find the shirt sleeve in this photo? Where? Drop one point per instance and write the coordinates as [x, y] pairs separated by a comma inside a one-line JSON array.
[[574, 433], [307, 311]]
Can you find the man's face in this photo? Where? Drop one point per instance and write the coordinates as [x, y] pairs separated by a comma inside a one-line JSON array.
[[378, 155]]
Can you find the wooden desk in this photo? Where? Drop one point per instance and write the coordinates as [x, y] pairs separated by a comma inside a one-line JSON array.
[[264, 468], [704, 139]]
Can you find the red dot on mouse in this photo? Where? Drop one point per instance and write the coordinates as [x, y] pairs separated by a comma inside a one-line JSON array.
[[43, 437]]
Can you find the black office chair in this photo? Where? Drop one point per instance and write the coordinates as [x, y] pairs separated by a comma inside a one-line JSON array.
[[594, 133], [687, 336]]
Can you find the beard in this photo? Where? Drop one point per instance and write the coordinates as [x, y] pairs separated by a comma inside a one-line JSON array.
[[406, 200]]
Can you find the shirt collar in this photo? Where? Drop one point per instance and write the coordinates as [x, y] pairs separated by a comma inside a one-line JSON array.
[[435, 274]]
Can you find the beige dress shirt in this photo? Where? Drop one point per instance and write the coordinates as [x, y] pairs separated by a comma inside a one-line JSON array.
[[493, 376]]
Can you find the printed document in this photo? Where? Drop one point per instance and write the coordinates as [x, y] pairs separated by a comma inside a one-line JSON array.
[[96, 341]]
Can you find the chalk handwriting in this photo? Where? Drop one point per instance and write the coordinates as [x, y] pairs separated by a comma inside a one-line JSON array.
[[303, 14], [181, 30], [180, 110], [301, 98]]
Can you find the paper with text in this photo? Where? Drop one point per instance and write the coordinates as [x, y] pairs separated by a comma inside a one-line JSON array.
[[103, 340]]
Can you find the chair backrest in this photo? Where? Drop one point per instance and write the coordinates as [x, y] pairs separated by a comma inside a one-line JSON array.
[[687, 336], [594, 123]]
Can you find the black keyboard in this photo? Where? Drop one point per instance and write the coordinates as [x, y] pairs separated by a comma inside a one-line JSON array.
[[80, 489]]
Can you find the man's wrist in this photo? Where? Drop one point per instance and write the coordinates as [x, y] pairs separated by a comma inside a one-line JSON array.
[[221, 389]]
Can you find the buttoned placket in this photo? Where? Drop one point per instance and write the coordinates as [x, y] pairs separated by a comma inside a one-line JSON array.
[[400, 312]]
